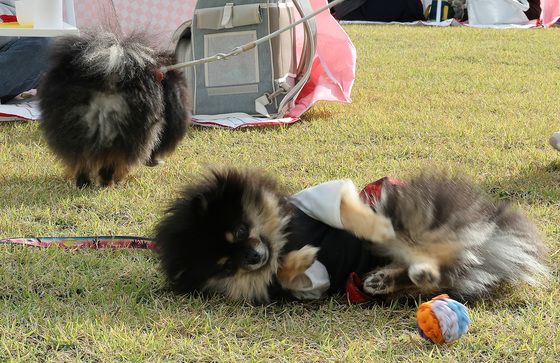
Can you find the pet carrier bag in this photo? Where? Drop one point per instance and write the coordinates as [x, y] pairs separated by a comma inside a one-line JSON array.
[[264, 80]]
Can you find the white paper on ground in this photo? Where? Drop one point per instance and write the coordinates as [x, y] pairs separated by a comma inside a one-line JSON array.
[[448, 22], [25, 109], [237, 120], [20, 109]]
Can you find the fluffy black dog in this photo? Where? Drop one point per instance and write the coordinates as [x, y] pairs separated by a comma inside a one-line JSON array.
[[106, 107], [236, 233]]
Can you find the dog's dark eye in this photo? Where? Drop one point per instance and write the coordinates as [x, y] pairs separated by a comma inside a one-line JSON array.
[[242, 233]]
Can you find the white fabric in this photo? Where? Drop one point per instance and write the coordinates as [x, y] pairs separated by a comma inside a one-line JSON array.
[[22, 108], [320, 283], [445, 23], [239, 120], [486, 12], [322, 202]]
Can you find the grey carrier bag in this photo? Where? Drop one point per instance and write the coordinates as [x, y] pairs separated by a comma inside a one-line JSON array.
[[264, 80]]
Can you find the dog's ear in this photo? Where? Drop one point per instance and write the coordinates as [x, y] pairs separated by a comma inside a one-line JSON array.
[[199, 203]]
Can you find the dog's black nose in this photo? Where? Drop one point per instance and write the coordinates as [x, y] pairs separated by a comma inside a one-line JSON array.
[[252, 257]]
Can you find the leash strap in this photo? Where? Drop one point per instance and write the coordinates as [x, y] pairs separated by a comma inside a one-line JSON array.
[[93, 242]]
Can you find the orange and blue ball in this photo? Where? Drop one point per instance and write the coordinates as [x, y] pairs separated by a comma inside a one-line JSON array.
[[442, 320]]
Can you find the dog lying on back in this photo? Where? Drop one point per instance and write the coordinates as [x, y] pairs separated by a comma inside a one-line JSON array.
[[235, 233], [106, 107], [449, 237]]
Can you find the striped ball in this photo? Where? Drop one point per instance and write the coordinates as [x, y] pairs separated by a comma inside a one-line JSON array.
[[442, 320]]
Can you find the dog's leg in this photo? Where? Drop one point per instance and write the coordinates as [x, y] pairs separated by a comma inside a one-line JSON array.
[[80, 173], [291, 271], [121, 171], [106, 175], [421, 277], [359, 219], [425, 274], [83, 180], [387, 280], [155, 160]]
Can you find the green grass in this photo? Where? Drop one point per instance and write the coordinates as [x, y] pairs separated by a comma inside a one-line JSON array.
[[478, 102]]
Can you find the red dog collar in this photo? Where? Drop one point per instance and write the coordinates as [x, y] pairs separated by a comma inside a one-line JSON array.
[[158, 74]]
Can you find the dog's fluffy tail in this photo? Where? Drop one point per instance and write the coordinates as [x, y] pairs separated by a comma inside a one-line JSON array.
[[107, 55], [513, 251]]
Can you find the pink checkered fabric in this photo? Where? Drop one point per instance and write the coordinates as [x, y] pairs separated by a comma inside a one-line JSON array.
[[91, 14], [160, 18]]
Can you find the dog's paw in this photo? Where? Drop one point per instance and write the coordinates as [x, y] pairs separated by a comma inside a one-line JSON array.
[[83, 181], [379, 283], [295, 263], [424, 275], [154, 162], [307, 255]]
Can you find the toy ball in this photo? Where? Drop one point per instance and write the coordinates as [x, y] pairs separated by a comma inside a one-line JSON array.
[[442, 320]]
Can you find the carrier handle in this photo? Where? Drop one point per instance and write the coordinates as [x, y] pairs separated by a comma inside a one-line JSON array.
[[308, 51]]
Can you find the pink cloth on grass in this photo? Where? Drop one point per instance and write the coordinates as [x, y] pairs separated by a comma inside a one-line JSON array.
[[334, 68], [550, 11]]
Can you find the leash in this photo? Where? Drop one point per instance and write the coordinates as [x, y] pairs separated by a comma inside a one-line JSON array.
[[92, 242], [243, 48]]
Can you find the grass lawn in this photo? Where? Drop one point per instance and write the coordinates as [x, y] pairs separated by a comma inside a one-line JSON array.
[[478, 102]]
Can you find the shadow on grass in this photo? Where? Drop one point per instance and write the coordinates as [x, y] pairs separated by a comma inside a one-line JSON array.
[[535, 184], [318, 113], [40, 191]]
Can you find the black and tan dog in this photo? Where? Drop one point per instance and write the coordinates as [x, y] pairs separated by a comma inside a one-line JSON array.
[[106, 107], [235, 233]]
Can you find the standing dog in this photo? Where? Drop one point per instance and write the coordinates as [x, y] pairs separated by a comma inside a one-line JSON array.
[[106, 107], [235, 233]]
